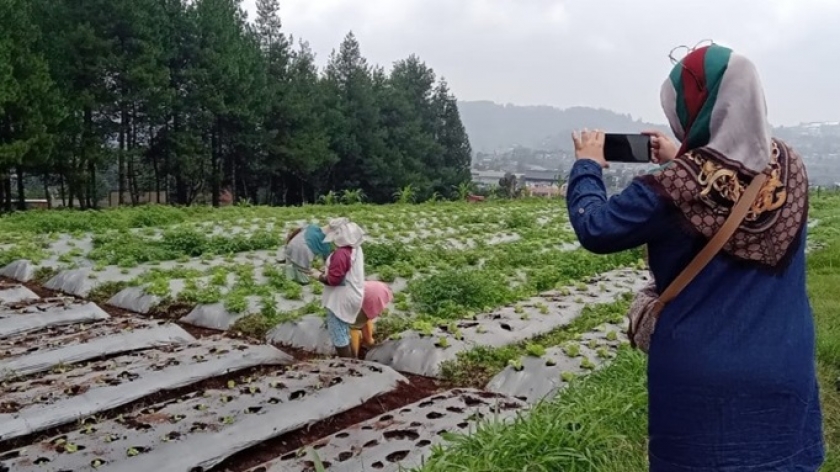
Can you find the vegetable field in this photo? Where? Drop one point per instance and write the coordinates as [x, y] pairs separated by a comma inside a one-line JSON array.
[[156, 338]]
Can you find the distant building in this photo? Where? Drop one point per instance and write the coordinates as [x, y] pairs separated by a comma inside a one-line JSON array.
[[528, 177], [489, 177], [545, 191], [541, 176], [39, 203], [143, 198]]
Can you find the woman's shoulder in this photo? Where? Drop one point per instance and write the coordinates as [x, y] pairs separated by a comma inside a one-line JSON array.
[[293, 234], [312, 228], [343, 251], [645, 188], [781, 142]]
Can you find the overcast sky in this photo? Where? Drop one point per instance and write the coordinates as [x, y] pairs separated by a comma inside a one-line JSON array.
[[599, 53]]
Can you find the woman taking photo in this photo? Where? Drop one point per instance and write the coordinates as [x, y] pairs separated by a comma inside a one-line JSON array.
[[731, 371]]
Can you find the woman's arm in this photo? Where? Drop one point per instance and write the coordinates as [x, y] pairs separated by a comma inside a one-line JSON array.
[[627, 220], [338, 268]]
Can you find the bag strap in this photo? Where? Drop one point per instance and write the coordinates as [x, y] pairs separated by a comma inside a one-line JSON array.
[[736, 216]]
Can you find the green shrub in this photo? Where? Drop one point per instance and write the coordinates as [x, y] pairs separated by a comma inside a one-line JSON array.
[[451, 292]]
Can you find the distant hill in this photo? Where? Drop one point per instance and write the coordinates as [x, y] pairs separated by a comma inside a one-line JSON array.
[[515, 137], [495, 127]]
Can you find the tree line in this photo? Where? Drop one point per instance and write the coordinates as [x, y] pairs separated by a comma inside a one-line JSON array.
[[190, 98]]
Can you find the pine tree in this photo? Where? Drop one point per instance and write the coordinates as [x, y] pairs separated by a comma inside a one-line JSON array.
[[186, 97], [411, 84], [29, 103], [454, 166], [354, 119], [273, 41], [306, 152], [141, 82], [219, 90], [81, 61], [246, 120], [177, 151], [276, 55]]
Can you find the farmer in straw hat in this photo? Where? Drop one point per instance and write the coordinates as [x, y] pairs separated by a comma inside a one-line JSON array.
[[344, 281]]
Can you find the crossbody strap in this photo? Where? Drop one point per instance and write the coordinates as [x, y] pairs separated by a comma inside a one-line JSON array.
[[736, 216]]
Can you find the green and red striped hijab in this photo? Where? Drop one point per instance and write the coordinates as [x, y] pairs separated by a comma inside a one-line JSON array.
[[713, 99], [715, 104]]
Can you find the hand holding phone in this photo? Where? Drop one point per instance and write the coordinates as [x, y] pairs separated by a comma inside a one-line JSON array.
[[662, 148], [590, 145], [628, 148]]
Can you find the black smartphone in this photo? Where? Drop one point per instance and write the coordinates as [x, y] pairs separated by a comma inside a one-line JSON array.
[[632, 148]]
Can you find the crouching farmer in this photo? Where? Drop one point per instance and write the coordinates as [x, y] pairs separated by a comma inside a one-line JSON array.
[[303, 245], [377, 296]]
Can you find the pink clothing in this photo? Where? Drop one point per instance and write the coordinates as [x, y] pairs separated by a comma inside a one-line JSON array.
[[377, 296]]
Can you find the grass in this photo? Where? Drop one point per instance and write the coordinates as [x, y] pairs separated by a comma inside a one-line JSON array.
[[599, 423], [477, 366], [102, 293], [823, 282]]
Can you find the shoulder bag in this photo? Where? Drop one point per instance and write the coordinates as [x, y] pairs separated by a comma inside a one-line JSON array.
[[647, 307]]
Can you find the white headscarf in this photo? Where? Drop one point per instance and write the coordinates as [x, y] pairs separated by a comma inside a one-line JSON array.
[[344, 232]]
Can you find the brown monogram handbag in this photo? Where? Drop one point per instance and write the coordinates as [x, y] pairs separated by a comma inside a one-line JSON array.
[[647, 306]]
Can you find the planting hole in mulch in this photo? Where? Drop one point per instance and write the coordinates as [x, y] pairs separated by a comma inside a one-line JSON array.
[[171, 312], [160, 397], [406, 394]]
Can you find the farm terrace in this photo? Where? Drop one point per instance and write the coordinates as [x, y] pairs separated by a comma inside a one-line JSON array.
[[160, 338]]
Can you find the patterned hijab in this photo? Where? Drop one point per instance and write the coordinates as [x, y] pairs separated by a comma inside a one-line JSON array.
[[715, 105]]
